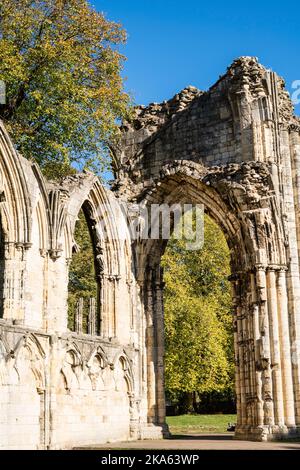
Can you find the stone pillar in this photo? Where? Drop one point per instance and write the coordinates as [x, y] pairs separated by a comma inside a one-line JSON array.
[[92, 316], [100, 324], [134, 411], [275, 347], [247, 339], [141, 292], [160, 350], [154, 333], [290, 153], [293, 275], [150, 345], [44, 420], [236, 349], [54, 371], [108, 306], [129, 284], [115, 304], [265, 354], [242, 385], [258, 372], [45, 257], [249, 384], [251, 296], [105, 293], [295, 169], [79, 315], [285, 349], [257, 390]]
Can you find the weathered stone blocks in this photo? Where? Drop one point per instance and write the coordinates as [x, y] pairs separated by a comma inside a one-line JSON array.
[[235, 149]]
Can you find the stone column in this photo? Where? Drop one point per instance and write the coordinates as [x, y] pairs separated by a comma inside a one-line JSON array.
[[285, 349], [251, 346], [99, 322], [290, 152], [45, 257], [160, 350], [258, 373], [242, 386], [112, 307], [105, 292], [54, 371], [79, 315], [293, 275], [295, 169], [109, 307], [247, 356], [265, 355], [259, 415], [92, 316], [141, 291], [129, 284], [236, 348], [134, 412], [275, 347], [150, 345], [115, 304]]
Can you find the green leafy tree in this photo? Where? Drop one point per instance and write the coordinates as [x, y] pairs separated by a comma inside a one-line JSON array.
[[60, 63], [198, 323], [82, 281]]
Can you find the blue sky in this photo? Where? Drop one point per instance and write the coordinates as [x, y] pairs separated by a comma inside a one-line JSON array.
[[172, 44]]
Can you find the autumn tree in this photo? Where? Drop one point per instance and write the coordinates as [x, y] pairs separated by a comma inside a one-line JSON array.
[[61, 66], [82, 281], [198, 322]]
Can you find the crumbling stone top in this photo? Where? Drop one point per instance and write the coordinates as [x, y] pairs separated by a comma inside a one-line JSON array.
[[244, 74], [201, 125], [155, 115], [71, 183]]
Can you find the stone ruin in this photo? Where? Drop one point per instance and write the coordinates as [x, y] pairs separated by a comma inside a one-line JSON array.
[[235, 149]]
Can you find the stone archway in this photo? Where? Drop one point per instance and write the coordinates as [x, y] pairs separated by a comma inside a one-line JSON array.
[[233, 149], [258, 268]]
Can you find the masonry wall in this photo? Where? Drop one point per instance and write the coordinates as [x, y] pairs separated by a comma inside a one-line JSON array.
[[61, 388], [235, 149], [63, 392]]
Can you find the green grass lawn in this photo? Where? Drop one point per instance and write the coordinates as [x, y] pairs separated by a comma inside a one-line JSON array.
[[200, 423]]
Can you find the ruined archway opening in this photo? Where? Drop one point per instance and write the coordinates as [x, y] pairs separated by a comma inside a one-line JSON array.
[[83, 286], [198, 326], [180, 190]]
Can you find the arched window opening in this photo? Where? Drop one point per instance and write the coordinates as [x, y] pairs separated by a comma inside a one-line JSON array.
[[199, 364], [83, 288]]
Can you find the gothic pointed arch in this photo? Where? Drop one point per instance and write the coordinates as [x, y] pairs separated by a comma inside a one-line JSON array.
[[96, 365], [70, 363], [240, 198], [42, 211], [30, 351], [14, 192], [122, 361]]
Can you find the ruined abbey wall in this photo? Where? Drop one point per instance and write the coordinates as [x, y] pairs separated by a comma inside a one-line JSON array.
[[61, 388], [235, 149]]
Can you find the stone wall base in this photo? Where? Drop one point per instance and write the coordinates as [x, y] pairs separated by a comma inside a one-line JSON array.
[[267, 433], [151, 431]]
